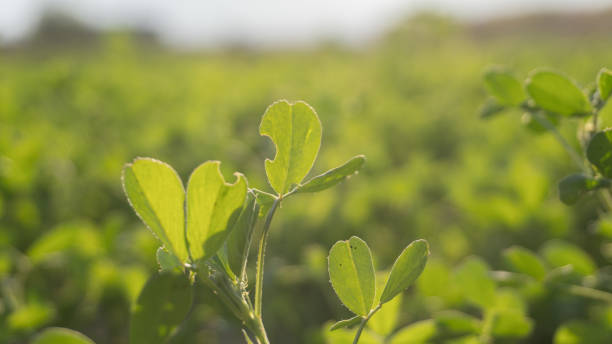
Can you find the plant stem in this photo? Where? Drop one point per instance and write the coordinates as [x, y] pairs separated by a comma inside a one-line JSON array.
[[590, 293], [364, 322], [260, 258], [487, 327], [568, 148]]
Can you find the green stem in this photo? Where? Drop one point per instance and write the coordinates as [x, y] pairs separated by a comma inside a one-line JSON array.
[[590, 293], [487, 327], [568, 148], [364, 322], [260, 258]]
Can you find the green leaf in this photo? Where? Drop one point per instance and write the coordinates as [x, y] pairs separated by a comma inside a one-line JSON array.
[[559, 253], [384, 321], [599, 152], [604, 83], [511, 324], [526, 262], [536, 125], [554, 92], [239, 240], [456, 323], [166, 260], [157, 195], [295, 129], [162, 305], [406, 269], [574, 186], [59, 335], [491, 108], [419, 332], [472, 278], [346, 323], [504, 86], [213, 206], [265, 201], [582, 332], [333, 176], [351, 272]]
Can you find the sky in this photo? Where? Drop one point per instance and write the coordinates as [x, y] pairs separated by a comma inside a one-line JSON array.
[[263, 22]]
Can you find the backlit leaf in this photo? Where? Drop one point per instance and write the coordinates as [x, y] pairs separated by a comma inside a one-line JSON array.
[[213, 206], [333, 176], [156, 193], [406, 269], [351, 272], [295, 130]]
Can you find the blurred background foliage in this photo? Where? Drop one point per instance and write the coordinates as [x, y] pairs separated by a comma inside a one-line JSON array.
[[76, 105]]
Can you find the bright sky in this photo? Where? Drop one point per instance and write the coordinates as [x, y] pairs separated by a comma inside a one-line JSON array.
[[262, 22]]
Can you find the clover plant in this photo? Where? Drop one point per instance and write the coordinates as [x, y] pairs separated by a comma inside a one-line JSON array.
[[207, 228]]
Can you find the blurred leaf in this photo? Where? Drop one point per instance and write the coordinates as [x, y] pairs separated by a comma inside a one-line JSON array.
[[156, 193], [491, 108], [346, 323], [333, 176], [511, 324], [384, 321], [295, 130], [574, 186], [167, 261], [472, 278], [599, 152], [162, 305], [352, 274], [419, 332], [346, 336], [406, 269], [554, 92], [213, 206], [534, 125], [457, 323], [526, 262], [69, 238], [30, 316], [239, 240], [582, 332], [504, 86], [58, 335], [559, 253], [604, 83]]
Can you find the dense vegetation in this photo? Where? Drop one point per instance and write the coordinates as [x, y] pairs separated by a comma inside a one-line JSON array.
[[74, 255]]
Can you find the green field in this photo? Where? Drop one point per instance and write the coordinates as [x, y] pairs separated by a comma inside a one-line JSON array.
[[73, 254]]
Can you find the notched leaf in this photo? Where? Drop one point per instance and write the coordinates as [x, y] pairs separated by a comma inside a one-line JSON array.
[[296, 131], [213, 206]]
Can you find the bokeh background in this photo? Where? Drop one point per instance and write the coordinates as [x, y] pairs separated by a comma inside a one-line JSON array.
[[86, 86]]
